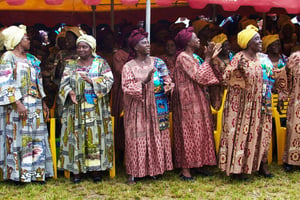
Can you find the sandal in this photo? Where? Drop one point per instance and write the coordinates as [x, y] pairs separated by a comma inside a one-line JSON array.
[[131, 181], [76, 178], [185, 178], [263, 171]]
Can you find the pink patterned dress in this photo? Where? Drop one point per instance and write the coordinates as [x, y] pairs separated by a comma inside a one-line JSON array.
[[147, 145], [292, 149], [193, 129]]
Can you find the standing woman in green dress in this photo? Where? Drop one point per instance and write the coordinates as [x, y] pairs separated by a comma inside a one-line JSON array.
[[86, 135]]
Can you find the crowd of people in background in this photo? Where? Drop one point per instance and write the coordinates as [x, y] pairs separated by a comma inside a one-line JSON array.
[[160, 96]]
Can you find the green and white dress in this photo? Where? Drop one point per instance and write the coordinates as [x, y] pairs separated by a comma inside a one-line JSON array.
[[24, 147], [86, 135]]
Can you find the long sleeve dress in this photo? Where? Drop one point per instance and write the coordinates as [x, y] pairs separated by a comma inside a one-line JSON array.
[[24, 147], [292, 149], [147, 139], [86, 136], [247, 116], [192, 120]]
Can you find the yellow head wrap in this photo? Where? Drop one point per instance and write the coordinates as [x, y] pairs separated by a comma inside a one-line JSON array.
[[90, 40], [246, 35], [13, 36], [221, 38], [267, 40], [199, 25]]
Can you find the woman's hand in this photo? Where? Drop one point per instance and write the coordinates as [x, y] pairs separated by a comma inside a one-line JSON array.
[[169, 88], [86, 78], [73, 97], [21, 109], [242, 64], [149, 76], [46, 111], [212, 50]]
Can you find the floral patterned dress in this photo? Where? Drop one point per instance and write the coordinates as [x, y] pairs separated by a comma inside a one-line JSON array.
[[86, 137], [247, 116], [292, 149], [192, 120], [147, 138], [24, 147]]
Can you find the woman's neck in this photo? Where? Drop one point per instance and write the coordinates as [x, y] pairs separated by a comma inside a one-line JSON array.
[[190, 51], [223, 56], [143, 59], [19, 52], [250, 54], [86, 61], [274, 57]]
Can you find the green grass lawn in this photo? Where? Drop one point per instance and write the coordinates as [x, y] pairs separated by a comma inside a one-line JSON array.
[[169, 186]]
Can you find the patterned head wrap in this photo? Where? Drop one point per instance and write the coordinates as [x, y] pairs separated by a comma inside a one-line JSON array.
[[268, 40], [13, 36], [74, 29], [221, 38], [246, 35], [90, 40], [134, 38], [183, 37]]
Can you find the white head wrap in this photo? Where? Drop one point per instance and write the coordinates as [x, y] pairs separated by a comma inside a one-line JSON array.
[[13, 36], [90, 40]]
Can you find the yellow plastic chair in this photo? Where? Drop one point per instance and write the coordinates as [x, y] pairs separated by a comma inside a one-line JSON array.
[[280, 130], [53, 146], [219, 114], [112, 171]]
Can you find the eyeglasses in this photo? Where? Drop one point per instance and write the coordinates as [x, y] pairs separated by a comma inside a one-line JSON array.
[[26, 38]]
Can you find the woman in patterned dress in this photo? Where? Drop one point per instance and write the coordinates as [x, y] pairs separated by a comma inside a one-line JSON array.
[[145, 81], [247, 117], [86, 135], [272, 47], [25, 153], [291, 156], [193, 128]]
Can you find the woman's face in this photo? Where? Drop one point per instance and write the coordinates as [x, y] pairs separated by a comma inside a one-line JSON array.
[[225, 48], [70, 40], [255, 43], [143, 47], [275, 47], [170, 47], [84, 50], [25, 42], [194, 42]]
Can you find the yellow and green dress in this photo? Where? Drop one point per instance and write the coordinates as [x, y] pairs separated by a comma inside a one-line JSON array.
[[86, 134]]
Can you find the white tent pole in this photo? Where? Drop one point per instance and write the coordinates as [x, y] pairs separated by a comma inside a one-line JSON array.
[[112, 15], [148, 18]]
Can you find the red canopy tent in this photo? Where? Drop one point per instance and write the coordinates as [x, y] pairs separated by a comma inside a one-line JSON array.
[[51, 12]]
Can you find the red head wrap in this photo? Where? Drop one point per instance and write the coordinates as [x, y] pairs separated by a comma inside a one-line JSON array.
[[134, 38], [183, 37]]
